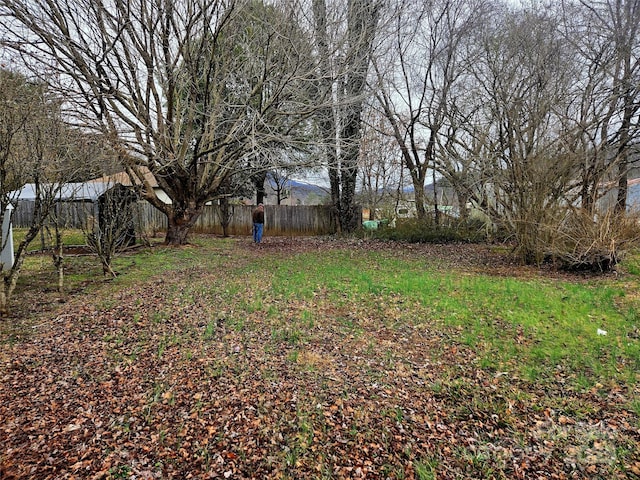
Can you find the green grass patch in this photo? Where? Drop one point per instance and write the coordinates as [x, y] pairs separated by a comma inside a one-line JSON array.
[[45, 239], [530, 326]]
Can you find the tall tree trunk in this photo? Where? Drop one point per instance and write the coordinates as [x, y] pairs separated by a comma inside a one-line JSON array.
[[58, 258], [435, 200], [258, 182], [417, 179], [623, 156], [326, 115], [586, 197], [349, 219], [362, 23], [225, 215], [334, 184], [623, 188], [463, 200], [343, 166]]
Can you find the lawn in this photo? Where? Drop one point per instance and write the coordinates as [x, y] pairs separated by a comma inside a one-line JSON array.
[[320, 358]]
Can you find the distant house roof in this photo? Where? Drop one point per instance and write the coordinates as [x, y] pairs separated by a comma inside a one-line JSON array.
[[633, 194], [68, 192], [124, 179], [610, 193]]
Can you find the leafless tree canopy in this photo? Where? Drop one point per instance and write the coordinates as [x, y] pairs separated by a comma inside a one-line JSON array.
[[426, 57], [344, 39], [526, 112], [37, 148], [184, 88]]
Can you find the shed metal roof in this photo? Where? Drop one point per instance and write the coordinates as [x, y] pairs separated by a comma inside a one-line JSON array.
[[68, 192]]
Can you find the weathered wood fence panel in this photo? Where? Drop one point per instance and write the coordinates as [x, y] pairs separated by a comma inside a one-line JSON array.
[[76, 214], [240, 224], [150, 220], [279, 219], [68, 214], [300, 220], [23, 213]]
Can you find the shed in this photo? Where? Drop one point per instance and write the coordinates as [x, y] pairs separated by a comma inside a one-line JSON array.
[[123, 178], [76, 203]]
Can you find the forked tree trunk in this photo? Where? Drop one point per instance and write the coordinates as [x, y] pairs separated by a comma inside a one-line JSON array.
[[107, 269], [179, 224], [177, 234], [258, 182]]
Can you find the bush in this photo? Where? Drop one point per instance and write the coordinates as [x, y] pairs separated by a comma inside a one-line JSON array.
[[420, 231], [583, 241]]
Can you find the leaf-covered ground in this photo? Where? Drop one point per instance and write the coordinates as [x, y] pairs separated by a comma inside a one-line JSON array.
[[207, 373]]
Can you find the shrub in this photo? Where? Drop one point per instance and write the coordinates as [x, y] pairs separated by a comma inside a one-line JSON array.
[[582, 241], [425, 231]]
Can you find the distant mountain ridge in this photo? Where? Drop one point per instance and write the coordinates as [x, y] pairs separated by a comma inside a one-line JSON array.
[[300, 193]]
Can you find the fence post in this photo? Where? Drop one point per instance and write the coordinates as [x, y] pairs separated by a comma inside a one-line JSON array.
[[6, 256]]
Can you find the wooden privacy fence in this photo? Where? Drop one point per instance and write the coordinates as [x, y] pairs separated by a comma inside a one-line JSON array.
[[279, 219], [68, 214]]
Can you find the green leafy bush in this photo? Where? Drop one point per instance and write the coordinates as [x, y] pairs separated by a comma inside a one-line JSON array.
[[452, 230]]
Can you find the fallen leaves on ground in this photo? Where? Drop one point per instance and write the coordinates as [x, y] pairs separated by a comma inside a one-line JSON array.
[[174, 381]]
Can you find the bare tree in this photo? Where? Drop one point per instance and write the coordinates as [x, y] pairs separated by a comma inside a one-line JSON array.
[[88, 157], [35, 148], [417, 78], [380, 168], [280, 179], [461, 149], [606, 38], [179, 87], [344, 57], [114, 228], [525, 84], [18, 99]]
